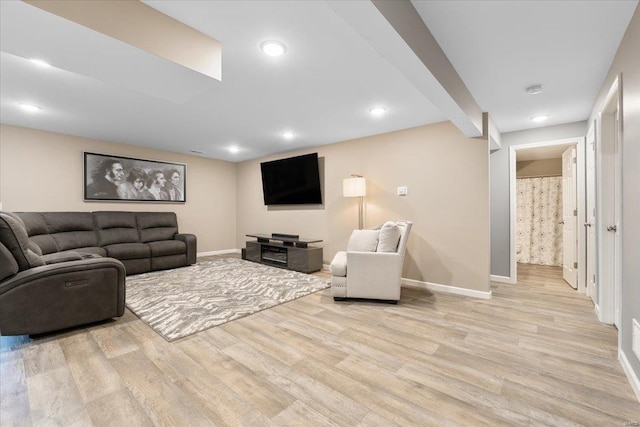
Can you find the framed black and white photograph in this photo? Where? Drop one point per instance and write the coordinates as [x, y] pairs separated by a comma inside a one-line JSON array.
[[115, 178]]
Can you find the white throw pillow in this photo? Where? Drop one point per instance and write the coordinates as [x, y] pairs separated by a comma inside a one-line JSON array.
[[363, 241], [389, 237]]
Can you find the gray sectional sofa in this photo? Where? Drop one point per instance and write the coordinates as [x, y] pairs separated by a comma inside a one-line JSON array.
[[64, 269], [142, 241]]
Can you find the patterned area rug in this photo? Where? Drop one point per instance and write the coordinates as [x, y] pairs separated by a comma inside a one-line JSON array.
[[183, 301]]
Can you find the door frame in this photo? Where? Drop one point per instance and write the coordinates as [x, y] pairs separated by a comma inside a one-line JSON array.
[[608, 292], [581, 254], [593, 227]]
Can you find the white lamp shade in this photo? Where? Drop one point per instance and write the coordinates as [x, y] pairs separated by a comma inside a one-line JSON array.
[[354, 187]]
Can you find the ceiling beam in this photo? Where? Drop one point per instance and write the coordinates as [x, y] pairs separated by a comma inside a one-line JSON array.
[[139, 25], [395, 29]]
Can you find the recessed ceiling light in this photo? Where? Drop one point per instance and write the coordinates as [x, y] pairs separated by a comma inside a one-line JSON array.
[[196, 151], [378, 111], [288, 135], [273, 47], [534, 89], [30, 108], [540, 118], [234, 149]]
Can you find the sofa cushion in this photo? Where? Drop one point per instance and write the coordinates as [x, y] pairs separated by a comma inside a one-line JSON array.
[[34, 247], [363, 241], [339, 264], [8, 264], [116, 227], [13, 235], [38, 231], [128, 251], [71, 230], [155, 226], [389, 237], [167, 247]]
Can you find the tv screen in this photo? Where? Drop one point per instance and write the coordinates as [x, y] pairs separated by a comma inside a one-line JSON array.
[[291, 181]]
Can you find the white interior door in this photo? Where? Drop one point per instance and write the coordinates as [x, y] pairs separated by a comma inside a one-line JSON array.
[[590, 223], [608, 193], [569, 217]]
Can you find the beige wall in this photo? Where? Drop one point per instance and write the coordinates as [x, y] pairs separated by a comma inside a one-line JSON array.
[[446, 173], [448, 200], [535, 168], [42, 171]]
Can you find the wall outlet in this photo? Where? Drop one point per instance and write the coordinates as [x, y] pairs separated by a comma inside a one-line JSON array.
[[636, 338], [403, 191]]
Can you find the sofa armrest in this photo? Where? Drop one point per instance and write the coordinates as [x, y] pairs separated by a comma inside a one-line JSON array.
[[62, 295], [58, 257], [192, 246], [374, 275]]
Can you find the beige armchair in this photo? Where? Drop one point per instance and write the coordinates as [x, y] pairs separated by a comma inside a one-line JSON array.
[[371, 267]]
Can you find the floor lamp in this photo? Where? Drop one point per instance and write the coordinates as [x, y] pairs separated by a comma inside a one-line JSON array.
[[356, 186]]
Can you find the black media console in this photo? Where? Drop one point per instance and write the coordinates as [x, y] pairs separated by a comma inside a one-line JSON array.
[[284, 250]]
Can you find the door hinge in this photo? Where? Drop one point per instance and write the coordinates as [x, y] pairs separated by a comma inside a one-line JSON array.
[[575, 212], [575, 160], [575, 265]]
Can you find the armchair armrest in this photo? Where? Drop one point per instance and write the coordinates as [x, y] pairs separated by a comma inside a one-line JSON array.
[[192, 246], [374, 275]]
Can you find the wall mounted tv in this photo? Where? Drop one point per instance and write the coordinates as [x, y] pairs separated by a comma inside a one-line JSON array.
[[291, 181]]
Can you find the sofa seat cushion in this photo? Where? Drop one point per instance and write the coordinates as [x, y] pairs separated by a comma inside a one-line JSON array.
[[339, 264], [167, 247], [128, 251]]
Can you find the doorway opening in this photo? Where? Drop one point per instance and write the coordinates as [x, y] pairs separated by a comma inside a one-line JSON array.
[[556, 238]]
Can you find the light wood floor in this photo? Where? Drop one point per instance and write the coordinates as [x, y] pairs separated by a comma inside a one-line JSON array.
[[534, 354]]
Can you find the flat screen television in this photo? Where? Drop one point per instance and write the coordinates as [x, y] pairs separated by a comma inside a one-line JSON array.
[[291, 181]]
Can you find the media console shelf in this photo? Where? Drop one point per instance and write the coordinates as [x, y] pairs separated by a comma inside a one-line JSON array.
[[284, 250]]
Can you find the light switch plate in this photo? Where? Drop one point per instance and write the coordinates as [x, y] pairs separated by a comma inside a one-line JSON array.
[[402, 191]]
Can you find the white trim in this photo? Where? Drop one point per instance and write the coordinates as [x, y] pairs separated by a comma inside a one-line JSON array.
[[502, 279], [326, 267], [580, 146], [446, 288], [221, 252], [631, 375], [606, 288]]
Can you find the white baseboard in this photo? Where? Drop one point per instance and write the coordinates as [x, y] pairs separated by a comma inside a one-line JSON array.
[[502, 279], [446, 289], [326, 267], [222, 252], [631, 375]]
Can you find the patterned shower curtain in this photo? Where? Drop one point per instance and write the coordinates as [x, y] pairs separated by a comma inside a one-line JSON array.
[[539, 212]]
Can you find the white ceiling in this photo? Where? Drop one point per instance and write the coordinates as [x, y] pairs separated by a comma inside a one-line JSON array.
[[321, 89]]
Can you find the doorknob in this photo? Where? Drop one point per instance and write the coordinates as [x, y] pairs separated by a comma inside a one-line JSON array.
[[612, 228], [587, 224], [561, 222]]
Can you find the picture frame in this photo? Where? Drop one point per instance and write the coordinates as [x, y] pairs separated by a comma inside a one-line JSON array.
[[110, 178]]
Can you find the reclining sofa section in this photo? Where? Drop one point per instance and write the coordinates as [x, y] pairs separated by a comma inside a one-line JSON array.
[[142, 241]]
